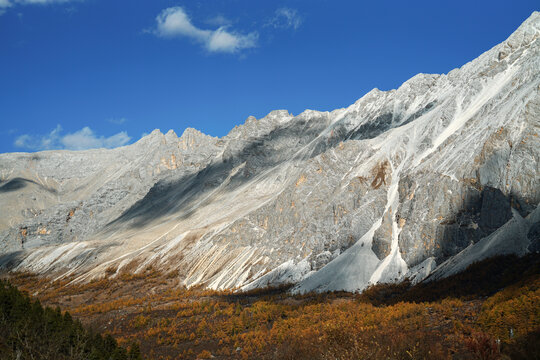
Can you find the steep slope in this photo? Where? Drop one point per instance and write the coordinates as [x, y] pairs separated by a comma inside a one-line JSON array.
[[389, 187]]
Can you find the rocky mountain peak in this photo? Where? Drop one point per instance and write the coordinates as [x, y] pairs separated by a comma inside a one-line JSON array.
[[420, 180]]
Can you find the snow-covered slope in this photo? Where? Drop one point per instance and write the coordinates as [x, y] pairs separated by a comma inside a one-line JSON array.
[[439, 171]]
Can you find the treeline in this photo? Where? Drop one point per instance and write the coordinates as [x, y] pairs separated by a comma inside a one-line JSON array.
[[30, 331]]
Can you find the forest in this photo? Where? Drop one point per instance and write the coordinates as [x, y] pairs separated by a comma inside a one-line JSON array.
[[30, 331]]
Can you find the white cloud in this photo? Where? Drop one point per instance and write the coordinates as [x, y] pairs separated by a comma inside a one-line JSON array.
[[222, 40], [82, 139], [44, 142], [174, 22], [285, 18], [86, 139], [4, 4]]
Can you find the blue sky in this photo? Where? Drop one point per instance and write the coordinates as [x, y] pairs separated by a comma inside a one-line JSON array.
[[101, 73]]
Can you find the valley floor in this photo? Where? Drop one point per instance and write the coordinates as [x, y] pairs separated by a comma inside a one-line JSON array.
[[491, 311]]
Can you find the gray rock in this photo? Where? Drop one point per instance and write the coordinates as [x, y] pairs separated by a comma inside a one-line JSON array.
[[534, 238], [495, 211]]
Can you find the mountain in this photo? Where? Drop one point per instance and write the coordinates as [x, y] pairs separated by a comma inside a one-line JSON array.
[[422, 180]]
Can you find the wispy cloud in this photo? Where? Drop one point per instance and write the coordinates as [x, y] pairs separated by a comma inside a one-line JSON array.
[[82, 139], [285, 18], [4, 4], [218, 20], [174, 22], [8, 131], [117, 121]]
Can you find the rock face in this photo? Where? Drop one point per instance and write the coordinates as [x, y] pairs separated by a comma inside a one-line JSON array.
[[442, 171]]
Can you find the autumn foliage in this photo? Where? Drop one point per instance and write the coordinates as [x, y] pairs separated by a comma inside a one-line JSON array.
[[467, 316]]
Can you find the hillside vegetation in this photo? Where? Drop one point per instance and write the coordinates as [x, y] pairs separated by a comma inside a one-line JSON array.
[[490, 311]]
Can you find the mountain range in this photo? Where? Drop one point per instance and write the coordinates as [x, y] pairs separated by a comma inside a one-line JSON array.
[[417, 182]]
